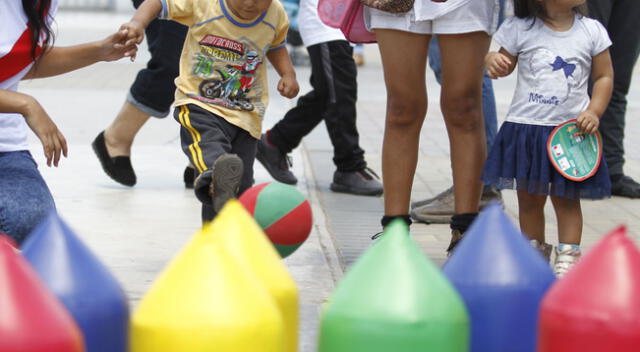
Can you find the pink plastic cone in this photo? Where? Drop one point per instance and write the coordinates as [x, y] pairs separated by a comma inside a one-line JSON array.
[[596, 306]]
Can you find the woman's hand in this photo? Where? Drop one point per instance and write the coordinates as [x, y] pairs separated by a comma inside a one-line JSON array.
[[118, 45], [53, 142], [288, 86], [588, 122]]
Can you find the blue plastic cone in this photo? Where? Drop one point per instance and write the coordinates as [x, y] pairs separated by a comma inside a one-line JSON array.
[[85, 286], [502, 280]]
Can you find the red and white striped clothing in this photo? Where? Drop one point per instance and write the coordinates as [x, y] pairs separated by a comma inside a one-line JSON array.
[[15, 62]]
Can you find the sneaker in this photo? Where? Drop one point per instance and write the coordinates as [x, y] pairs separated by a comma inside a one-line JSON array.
[[189, 177], [440, 209], [276, 162], [225, 183], [543, 248], [566, 257], [626, 187], [363, 183], [456, 236]]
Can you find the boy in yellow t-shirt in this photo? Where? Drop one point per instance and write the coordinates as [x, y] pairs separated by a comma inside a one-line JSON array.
[[222, 91]]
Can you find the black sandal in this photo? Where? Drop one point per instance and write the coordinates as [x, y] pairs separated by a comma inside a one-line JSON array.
[[119, 168]]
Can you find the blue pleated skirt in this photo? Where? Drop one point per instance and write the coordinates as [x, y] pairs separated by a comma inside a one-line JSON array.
[[518, 160]]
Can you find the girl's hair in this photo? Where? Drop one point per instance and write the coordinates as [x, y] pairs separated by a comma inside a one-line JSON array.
[[37, 12], [535, 9]]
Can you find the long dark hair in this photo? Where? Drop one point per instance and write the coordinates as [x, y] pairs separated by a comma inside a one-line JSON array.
[[37, 12], [534, 9]]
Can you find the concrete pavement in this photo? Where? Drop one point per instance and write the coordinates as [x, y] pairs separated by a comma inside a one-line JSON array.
[[136, 231]]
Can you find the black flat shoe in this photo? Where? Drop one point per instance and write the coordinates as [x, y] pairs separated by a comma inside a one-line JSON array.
[[189, 176], [626, 187], [119, 168]]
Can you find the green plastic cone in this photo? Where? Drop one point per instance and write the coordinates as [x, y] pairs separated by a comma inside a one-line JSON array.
[[394, 299]]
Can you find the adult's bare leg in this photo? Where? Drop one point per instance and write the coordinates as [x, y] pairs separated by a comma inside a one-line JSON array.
[[404, 57], [461, 103]]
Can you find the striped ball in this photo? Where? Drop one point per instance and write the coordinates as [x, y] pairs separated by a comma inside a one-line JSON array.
[[283, 213]]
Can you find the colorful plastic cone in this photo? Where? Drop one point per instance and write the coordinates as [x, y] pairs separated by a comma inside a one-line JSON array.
[[394, 299], [240, 236], [595, 307], [31, 318], [83, 284], [205, 301], [502, 280]]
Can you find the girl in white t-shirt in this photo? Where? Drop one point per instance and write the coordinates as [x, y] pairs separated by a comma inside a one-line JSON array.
[[26, 52], [557, 50]]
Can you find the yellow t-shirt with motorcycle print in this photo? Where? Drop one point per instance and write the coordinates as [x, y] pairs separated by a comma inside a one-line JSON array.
[[222, 66]]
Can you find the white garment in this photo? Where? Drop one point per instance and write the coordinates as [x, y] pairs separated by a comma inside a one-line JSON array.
[[553, 68], [428, 17], [312, 29], [13, 23]]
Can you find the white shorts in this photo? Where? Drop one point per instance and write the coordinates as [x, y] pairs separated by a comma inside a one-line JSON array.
[[475, 16]]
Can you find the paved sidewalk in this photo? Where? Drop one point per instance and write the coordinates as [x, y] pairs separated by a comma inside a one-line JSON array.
[[136, 231]]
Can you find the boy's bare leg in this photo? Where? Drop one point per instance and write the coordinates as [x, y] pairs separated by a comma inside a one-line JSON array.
[[119, 135]]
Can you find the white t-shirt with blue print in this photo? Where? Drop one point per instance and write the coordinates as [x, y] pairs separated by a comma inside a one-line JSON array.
[[553, 68]]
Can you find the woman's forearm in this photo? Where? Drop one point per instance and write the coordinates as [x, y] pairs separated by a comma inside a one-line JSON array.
[[14, 102], [59, 60]]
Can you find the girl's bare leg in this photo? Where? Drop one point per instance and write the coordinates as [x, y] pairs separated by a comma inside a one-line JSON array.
[[404, 57], [531, 215], [461, 103], [569, 215]]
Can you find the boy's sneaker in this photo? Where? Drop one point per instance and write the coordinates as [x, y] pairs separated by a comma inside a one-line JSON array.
[[543, 248], [363, 183], [440, 209], [225, 183], [566, 257], [276, 162]]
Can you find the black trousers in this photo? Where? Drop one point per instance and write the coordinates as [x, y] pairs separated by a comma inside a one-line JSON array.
[[333, 99], [205, 136], [154, 88], [620, 17]]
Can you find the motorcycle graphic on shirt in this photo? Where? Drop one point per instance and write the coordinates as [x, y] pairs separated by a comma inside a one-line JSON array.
[[229, 70], [234, 83]]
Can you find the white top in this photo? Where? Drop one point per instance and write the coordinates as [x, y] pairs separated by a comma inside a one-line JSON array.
[[553, 68], [426, 10], [312, 30], [13, 128]]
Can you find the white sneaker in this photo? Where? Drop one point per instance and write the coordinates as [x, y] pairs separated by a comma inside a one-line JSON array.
[[566, 257], [543, 248]]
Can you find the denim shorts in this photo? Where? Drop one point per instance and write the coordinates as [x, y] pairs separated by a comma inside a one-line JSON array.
[[25, 199], [153, 90]]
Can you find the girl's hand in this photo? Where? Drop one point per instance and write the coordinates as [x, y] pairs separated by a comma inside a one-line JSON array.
[[498, 65], [288, 86], [116, 46], [588, 122], [53, 142]]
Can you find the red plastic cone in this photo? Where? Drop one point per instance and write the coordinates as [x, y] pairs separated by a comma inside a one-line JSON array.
[[31, 318], [596, 306]]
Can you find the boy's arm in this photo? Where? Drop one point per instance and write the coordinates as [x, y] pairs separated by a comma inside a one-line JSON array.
[[59, 60], [146, 12], [602, 76], [288, 85]]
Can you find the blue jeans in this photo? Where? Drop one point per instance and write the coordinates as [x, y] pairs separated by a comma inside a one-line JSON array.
[[488, 99], [25, 199]]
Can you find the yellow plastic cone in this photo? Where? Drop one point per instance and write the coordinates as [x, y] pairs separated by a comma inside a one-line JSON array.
[[205, 301], [242, 238]]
